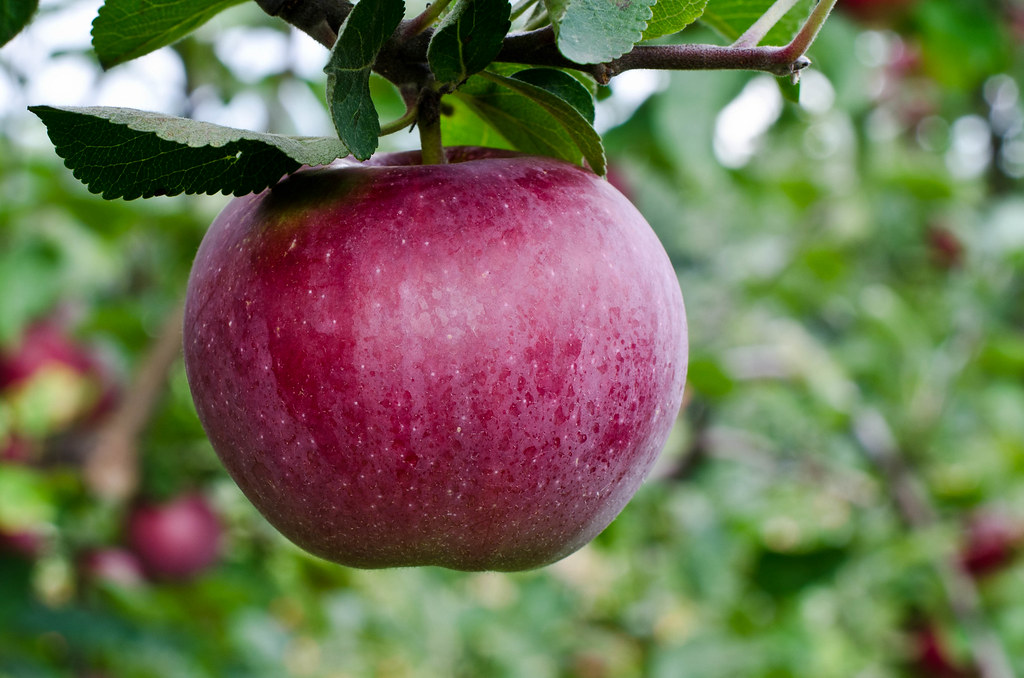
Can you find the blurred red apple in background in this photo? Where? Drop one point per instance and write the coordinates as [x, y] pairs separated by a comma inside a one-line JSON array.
[[620, 179], [17, 449], [471, 365], [43, 344], [992, 541], [930, 658], [177, 539], [945, 248], [112, 565], [24, 543], [50, 382], [878, 13]]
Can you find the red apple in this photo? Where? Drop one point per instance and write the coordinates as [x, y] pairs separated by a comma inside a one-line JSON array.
[[43, 344], [945, 248], [621, 180], [17, 449], [24, 543], [175, 540], [930, 658], [992, 541], [1015, 19], [51, 382], [111, 565], [471, 365]]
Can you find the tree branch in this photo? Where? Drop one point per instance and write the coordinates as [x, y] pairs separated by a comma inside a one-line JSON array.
[[775, 60], [111, 469], [320, 19], [405, 53], [910, 498], [537, 48], [875, 438]]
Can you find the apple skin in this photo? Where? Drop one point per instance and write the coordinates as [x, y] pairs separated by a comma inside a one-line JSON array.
[[175, 540], [471, 365]]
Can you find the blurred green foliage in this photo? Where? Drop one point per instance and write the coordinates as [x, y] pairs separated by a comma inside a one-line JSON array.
[[864, 253]]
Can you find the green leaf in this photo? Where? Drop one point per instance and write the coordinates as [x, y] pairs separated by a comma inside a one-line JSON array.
[[596, 31], [571, 120], [468, 39], [367, 28], [790, 90], [461, 126], [556, 9], [26, 499], [14, 16], [672, 16], [786, 574], [533, 119], [124, 153], [732, 18], [523, 123], [1003, 355], [127, 29], [562, 85], [707, 377]]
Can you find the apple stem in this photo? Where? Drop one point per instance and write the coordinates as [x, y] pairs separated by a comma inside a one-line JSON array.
[[428, 120]]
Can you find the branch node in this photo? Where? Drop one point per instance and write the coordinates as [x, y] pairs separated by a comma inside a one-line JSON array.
[[796, 67]]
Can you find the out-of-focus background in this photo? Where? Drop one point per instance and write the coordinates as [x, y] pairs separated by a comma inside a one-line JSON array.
[[843, 495]]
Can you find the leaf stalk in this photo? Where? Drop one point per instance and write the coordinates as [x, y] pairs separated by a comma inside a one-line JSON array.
[[420, 23], [809, 31], [397, 125], [757, 32], [520, 8]]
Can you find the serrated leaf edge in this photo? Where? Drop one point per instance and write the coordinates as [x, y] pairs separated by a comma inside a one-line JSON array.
[[271, 141]]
